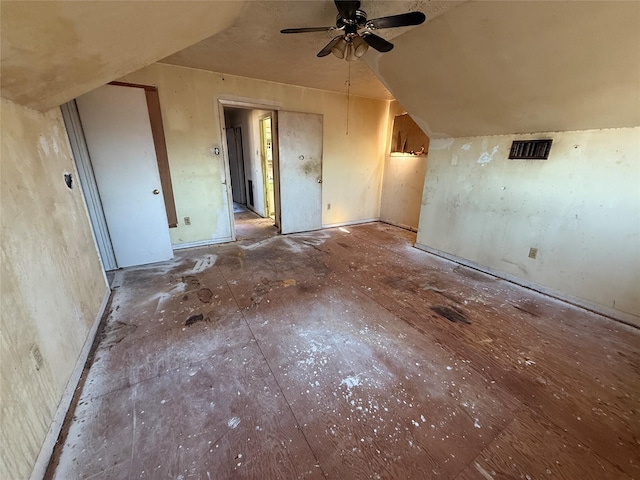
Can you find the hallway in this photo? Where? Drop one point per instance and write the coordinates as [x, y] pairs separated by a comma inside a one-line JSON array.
[[250, 226], [347, 353]]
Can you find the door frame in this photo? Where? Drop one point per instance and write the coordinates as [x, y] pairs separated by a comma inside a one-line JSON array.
[[88, 185], [249, 104], [263, 161]]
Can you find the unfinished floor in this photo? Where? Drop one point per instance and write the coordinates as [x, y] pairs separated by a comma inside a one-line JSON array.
[[347, 354]]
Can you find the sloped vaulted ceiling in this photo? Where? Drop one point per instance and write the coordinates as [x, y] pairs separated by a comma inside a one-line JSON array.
[[489, 67], [54, 51], [474, 68], [254, 47]]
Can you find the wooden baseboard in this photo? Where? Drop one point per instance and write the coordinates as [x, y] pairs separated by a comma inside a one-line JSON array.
[[42, 462], [203, 243], [400, 225], [623, 317], [352, 222]]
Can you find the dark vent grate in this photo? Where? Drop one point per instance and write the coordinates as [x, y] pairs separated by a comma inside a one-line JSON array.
[[530, 149], [250, 193]]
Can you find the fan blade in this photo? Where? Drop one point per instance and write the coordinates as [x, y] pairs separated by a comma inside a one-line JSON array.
[[402, 20], [327, 50], [379, 43], [307, 29], [347, 9]]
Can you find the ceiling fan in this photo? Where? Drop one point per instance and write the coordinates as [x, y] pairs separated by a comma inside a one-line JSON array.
[[357, 35]]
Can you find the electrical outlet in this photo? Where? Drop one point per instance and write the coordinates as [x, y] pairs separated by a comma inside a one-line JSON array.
[[533, 252], [187, 220]]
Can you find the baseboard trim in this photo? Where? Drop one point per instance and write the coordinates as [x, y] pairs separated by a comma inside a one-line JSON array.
[[622, 317], [352, 222], [202, 243], [44, 457], [400, 225]]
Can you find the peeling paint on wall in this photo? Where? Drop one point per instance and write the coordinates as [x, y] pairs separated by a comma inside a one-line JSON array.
[[486, 157], [581, 210]]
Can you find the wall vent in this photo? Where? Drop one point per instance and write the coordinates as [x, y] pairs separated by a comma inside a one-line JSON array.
[[530, 149], [250, 192]]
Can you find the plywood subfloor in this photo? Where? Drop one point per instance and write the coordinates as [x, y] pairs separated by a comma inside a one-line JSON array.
[[251, 226], [350, 355]]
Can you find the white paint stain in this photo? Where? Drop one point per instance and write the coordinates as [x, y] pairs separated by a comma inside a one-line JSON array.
[[204, 263], [234, 422], [351, 382], [486, 157], [466, 147], [476, 423]]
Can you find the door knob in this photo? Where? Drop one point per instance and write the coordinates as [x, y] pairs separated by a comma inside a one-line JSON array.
[[156, 191], [319, 180]]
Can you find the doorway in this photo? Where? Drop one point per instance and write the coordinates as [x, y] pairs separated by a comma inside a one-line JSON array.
[[281, 156], [249, 145]]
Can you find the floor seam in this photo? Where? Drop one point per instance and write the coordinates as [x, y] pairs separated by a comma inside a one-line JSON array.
[[298, 425]]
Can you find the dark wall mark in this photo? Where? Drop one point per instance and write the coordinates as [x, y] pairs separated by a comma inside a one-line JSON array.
[[452, 314], [68, 179]]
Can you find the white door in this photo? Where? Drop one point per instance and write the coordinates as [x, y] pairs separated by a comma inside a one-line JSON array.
[[300, 166], [116, 125]]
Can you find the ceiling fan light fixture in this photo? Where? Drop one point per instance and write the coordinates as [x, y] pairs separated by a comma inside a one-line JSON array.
[[350, 55], [360, 47], [339, 49]]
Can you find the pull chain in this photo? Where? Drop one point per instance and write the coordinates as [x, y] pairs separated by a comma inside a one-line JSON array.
[[348, 91]]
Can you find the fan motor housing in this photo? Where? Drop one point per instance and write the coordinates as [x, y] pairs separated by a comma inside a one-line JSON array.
[[351, 26]]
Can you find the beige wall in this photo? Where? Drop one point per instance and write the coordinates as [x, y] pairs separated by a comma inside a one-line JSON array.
[[352, 163], [52, 281], [402, 182], [580, 209]]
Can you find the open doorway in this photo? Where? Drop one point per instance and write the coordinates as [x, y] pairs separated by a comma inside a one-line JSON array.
[[249, 142], [281, 157]]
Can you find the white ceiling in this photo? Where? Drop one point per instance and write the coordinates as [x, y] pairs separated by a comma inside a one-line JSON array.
[[254, 47]]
